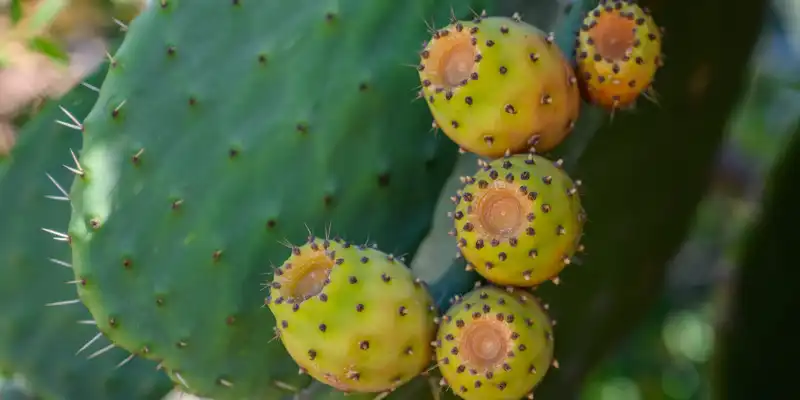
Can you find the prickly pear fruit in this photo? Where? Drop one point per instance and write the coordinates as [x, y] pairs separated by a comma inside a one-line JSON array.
[[496, 84], [519, 220], [494, 344], [352, 316], [618, 53]]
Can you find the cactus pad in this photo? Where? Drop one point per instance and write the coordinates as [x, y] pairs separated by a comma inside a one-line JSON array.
[[195, 165], [497, 84], [495, 344], [618, 53], [519, 220], [40, 342], [352, 316]]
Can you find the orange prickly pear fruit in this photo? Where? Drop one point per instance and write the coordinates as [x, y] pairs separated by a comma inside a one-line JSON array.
[[496, 85], [618, 53]]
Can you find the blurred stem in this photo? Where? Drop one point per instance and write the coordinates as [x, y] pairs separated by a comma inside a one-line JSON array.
[[758, 352]]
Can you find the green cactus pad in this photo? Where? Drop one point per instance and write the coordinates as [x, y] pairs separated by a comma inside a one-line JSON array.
[[40, 342], [618, 53], [352, 316], [204, 152], [498, 84], [519, 220], [495, 344]]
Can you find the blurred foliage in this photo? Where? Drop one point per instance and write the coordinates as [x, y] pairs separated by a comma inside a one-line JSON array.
[[670, 354], [47, 26], [758, 351]]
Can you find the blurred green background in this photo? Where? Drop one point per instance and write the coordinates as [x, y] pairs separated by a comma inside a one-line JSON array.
[[670, 354]]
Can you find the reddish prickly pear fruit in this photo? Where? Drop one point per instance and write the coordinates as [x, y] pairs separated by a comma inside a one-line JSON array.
[[519, 220], [495, 344], [498, 84], [351, 316], [618, 53]]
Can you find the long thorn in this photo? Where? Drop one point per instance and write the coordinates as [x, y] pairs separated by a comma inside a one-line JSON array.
[[63, 303], [91, 87], [72, 118], [122, 26], [125, 361], [183, 382], [89, 343], [101, 351], [61, 263], [60, 189], [55, 233], [58, 198]]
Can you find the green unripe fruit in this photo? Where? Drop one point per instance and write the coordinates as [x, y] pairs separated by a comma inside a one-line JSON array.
[[519, 220], [352, 317], [495, 345]]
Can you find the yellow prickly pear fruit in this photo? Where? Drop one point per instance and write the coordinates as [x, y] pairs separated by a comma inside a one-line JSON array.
[[618, 53], [495, 344], [351, 316], [519, 220], [498, 84]]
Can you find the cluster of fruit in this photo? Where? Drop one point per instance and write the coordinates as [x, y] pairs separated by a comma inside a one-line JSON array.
[[355, 318]]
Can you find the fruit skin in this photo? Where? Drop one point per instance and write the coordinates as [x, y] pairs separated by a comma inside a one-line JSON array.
[[513, 312], [519, 220], [197, 165], [367, 330], [519, 90], [38, 342], [616, 79]]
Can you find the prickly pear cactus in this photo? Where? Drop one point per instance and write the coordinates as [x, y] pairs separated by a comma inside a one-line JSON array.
[[618, 53], [519, 220], [497, 84], [54, 346], [495, 344], [195, 166], [352, 316]]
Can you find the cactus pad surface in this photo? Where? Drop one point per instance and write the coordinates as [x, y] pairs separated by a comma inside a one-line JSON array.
[[54, 347], [496, 84], [519, 220], [618, 53], [352, 316], [495, 344], [196, 165]]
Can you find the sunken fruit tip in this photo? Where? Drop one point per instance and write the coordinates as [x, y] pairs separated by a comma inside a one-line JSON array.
[[496, 85], [351, 316], [519, 220], [495, 344], [618, 52]]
